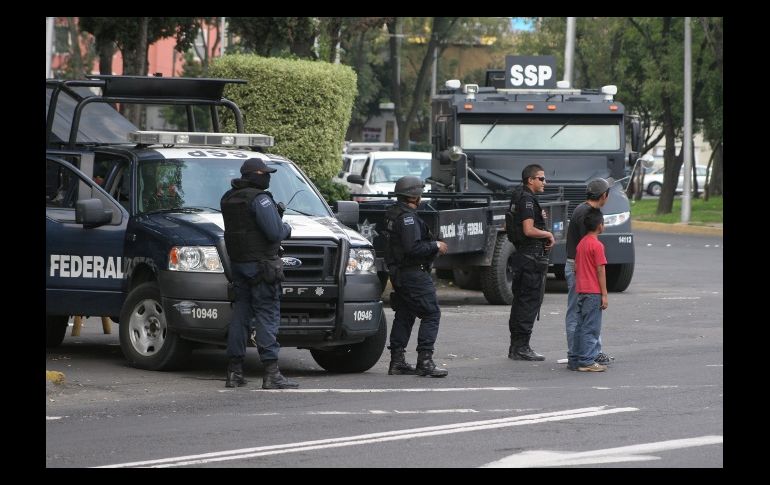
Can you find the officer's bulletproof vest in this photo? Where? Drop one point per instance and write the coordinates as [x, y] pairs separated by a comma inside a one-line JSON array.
[[243, 238], [514, 231], [528, 244], [394, 251]]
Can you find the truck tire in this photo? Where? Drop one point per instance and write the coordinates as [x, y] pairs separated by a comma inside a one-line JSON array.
[[360, 357], [145, 339], [467, 278], [619, 276], [497, 278], [55, 330]]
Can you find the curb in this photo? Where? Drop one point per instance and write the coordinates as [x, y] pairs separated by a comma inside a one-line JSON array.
[[678, 228]]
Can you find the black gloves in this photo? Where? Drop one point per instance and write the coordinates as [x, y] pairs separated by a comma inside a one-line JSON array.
[[281, 208]]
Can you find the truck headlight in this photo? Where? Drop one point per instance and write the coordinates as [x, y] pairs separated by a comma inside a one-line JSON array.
[[361, 261], [616, 219], [199, 259]]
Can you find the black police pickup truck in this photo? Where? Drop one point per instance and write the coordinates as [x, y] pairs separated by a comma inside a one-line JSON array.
[[134, 231]]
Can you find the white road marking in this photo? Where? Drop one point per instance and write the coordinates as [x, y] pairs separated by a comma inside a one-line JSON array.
[[680, 298], [544, 458], [714, 365], [244, 453], [52, 418], [419, 389]]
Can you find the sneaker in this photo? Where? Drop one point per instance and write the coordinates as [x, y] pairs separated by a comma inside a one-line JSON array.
[[592, 368], [604, 359]]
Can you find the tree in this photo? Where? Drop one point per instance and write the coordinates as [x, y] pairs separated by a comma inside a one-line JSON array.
[[276, 36]]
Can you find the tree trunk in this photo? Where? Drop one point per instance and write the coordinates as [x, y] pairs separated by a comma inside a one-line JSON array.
[[76, 59], [106, 50], [671, 161], [715, 181]]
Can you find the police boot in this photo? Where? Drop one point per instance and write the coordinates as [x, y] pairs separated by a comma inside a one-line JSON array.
[[235, 373], [426, 367], [399, 365], [273, 378], [520, 350]]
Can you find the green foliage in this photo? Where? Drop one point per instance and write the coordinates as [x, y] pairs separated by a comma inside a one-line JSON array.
[[331, 191], [701, 211], [304, 105]]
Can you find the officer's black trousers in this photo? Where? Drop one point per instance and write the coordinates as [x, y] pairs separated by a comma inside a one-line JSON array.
[[527, 297], [415, 297]]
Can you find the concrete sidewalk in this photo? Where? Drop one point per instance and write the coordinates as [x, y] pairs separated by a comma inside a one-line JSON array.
[[679, 228]]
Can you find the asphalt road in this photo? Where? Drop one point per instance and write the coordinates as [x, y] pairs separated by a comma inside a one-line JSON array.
[[659, 405]]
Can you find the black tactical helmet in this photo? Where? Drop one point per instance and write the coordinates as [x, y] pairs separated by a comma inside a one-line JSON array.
[[409, 186], [599, 186]]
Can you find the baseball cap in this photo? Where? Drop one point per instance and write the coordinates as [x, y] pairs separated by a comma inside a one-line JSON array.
[[597, 187], [254, 164]]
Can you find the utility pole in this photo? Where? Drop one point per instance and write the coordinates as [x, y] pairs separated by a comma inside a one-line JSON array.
[[687, 141], [223, 33], [433, 91], [569, 50], [48, 45]]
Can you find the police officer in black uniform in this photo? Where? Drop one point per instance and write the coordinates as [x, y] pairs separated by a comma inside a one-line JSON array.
[[253, 234], [530, 262], [409, 253]]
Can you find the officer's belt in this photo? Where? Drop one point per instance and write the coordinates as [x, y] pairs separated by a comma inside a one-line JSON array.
[[533, 257], [414, 267]]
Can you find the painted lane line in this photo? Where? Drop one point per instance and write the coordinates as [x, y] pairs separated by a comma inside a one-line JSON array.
[[419, 389], [546, 458], [244, 453]]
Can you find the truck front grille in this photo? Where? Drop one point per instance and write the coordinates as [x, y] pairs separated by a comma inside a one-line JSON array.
[[318, 258], [575, 194]]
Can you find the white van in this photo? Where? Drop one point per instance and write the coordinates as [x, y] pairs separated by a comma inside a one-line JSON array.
[[382, 170]]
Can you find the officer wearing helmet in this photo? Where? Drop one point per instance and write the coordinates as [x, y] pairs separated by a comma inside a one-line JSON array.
[[597, 193], [409, 252]]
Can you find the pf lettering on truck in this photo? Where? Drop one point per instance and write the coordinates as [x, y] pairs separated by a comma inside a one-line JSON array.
[[134, 230]]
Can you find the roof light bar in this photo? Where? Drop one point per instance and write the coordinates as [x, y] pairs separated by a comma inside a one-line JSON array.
[[196, 138]]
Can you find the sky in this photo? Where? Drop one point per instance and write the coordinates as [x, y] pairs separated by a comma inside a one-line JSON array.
[[520, 24]]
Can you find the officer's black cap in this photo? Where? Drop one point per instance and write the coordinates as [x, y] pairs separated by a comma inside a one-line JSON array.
[[255, 164]]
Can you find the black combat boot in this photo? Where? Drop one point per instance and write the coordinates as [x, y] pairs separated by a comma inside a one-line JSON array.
[[235, 373], [274, 379], [520, 350], [398, 364], [426, 367]]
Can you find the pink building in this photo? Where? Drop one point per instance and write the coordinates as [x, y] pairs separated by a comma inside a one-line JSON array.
[[161, 55]]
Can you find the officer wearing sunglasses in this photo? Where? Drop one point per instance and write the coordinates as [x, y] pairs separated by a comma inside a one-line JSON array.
[[530, 261]]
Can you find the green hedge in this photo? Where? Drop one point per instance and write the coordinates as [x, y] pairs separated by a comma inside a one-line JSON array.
[[304, 105]]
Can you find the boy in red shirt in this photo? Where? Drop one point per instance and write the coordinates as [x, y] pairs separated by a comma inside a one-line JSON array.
[[591, 288]]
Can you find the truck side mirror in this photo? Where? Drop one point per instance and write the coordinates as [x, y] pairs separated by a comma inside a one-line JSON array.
[[636, 135], [91, 213], [354, 178], [346, 211]]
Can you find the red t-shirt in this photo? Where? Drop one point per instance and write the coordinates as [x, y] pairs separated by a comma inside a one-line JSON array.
[[590, 254]]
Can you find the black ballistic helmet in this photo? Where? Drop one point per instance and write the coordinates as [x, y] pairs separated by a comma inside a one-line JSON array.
[[409, 186], [597, 187]]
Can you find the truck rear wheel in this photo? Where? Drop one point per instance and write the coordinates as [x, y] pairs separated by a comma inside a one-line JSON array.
[[619, 276], [445, 274], [496, 279], [55, 330], [351, 358], [145, 339]]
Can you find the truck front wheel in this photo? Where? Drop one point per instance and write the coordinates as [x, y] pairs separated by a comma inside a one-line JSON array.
[[497, 278], [351, 358], [619, 276], [145, 339]]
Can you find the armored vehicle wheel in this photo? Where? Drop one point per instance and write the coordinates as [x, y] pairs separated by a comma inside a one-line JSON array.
[[619, 276], [497, 278], [145, 338], [359, 357], [55, 329]]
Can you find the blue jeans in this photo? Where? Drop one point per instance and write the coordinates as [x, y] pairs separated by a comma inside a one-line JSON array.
[[571, 318], [585, 342], [257, 306]]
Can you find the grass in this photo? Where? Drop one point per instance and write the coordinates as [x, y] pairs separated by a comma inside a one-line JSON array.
[[701, 212]]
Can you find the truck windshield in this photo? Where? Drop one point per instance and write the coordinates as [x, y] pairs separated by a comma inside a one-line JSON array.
[[567, 134], [199, 183]]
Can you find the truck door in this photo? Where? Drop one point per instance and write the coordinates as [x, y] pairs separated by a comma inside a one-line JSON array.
[[85, 269]]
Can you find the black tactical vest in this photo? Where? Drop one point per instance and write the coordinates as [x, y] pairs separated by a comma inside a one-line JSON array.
[[394, 250], [529, 245], [243, 238]]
